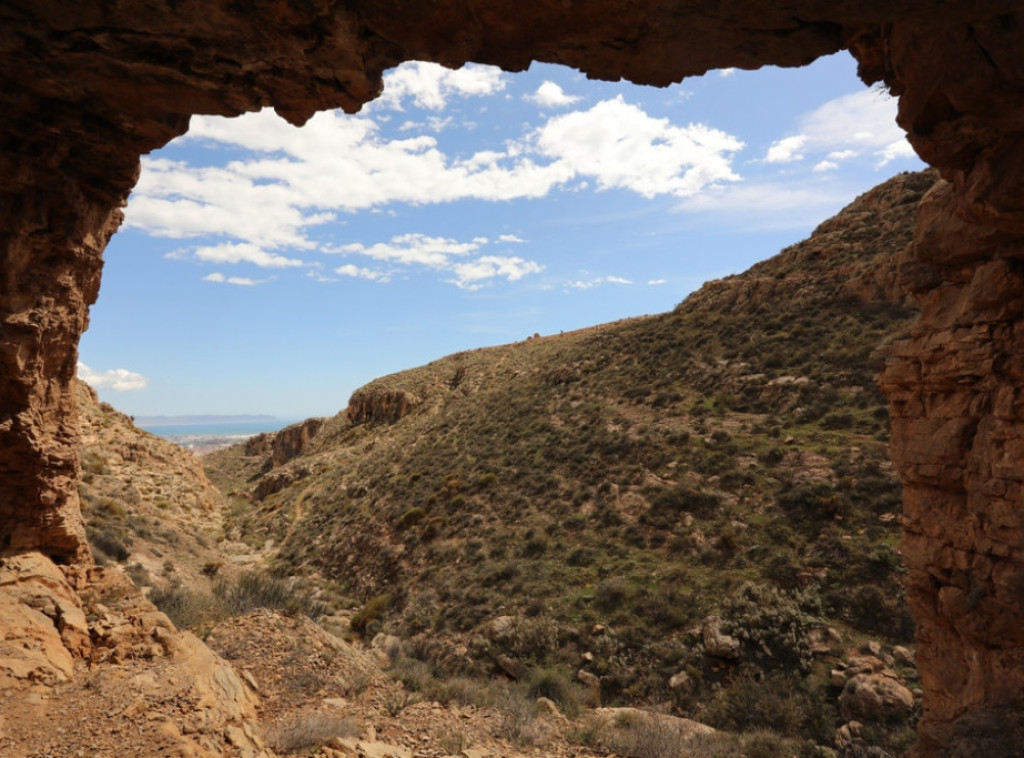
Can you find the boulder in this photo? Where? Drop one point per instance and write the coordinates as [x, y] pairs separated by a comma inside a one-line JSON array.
[[875, 697]]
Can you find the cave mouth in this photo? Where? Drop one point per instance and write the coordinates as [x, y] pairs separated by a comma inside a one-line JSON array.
[[461, 208], [88, 90]]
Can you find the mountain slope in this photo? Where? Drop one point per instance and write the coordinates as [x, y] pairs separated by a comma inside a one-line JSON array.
[[612, 490]]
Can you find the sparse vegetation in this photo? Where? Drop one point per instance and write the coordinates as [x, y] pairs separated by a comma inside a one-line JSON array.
[[609, 489], [191, 609], [308, 730]]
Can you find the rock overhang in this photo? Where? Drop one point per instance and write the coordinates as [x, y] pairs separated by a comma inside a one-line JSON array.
[[89, 87]]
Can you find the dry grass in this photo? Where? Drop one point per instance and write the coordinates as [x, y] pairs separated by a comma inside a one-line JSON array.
[[308, 730]]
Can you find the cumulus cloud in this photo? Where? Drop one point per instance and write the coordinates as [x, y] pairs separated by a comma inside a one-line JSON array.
[[862, 124], [472, 274], [786, 150], [418, 249], [362, 273], [241, 281], [287, 180], [621, 146], [117, 379], [550, 95], [243, 252], [469, 268], [586, 284], [430, 86]]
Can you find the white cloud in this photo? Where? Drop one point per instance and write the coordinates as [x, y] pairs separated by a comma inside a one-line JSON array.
[[243, 252], [769, 205], [726, 72], [433, 123], [621, 146], [430, 86], [290, 180], [822, 166], [471, 274], [439, 254], [242, 281], [550, 95], [118, 379], [842, 155], [894, 150], [656, 282], [362, 273], [419, 249], [511, 238], [786, 150], [586, 284], [297, 178], [863, 123]]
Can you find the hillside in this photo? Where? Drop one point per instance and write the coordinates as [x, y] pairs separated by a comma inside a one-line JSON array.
[[148, 504], [615, 500]]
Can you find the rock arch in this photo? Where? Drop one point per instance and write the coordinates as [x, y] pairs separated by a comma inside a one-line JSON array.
[[89, 86]]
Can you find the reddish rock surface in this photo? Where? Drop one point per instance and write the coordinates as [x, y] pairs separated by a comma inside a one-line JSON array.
[[87, 87], [380, 405]]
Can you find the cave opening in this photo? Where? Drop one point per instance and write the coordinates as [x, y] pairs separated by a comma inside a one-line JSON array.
[[265, 268]]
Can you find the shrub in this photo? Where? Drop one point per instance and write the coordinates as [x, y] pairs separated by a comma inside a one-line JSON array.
[[809, 504], [532, 638], [112, 544], [308, 730], [556, 685], [411, 517], [612, 594], [516, 717], [373, 610], [772, 625], [187, 609], [779, 703], [258, 590]]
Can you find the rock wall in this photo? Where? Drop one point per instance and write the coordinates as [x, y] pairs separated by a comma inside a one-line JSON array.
[[379, 405], [88, 87], [955, 384]]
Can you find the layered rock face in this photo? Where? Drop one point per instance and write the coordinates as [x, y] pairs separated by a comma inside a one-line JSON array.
[[955, 384], [90, 86]]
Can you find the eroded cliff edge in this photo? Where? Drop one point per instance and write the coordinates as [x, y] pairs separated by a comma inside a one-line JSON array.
[[88, 88]]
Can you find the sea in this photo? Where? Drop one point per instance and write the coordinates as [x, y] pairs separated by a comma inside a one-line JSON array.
[[205, 438]]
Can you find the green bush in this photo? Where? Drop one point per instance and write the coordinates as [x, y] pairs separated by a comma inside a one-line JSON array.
[[556, 685], [779, 703], [667, 506], [772, 625], [372, 611]]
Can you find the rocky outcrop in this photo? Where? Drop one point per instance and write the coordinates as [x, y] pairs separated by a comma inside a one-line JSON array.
[[87, 89], [281, 447], [291, 441], [117, 659], [379, 405], [958, 442]]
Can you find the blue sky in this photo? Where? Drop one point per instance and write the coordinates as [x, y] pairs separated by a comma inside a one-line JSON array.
[[268, 269]]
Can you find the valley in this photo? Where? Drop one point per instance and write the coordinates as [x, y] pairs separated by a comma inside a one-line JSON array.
[[692, 514]]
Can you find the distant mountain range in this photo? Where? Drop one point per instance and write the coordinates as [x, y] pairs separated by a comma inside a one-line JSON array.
[[144, 421]]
